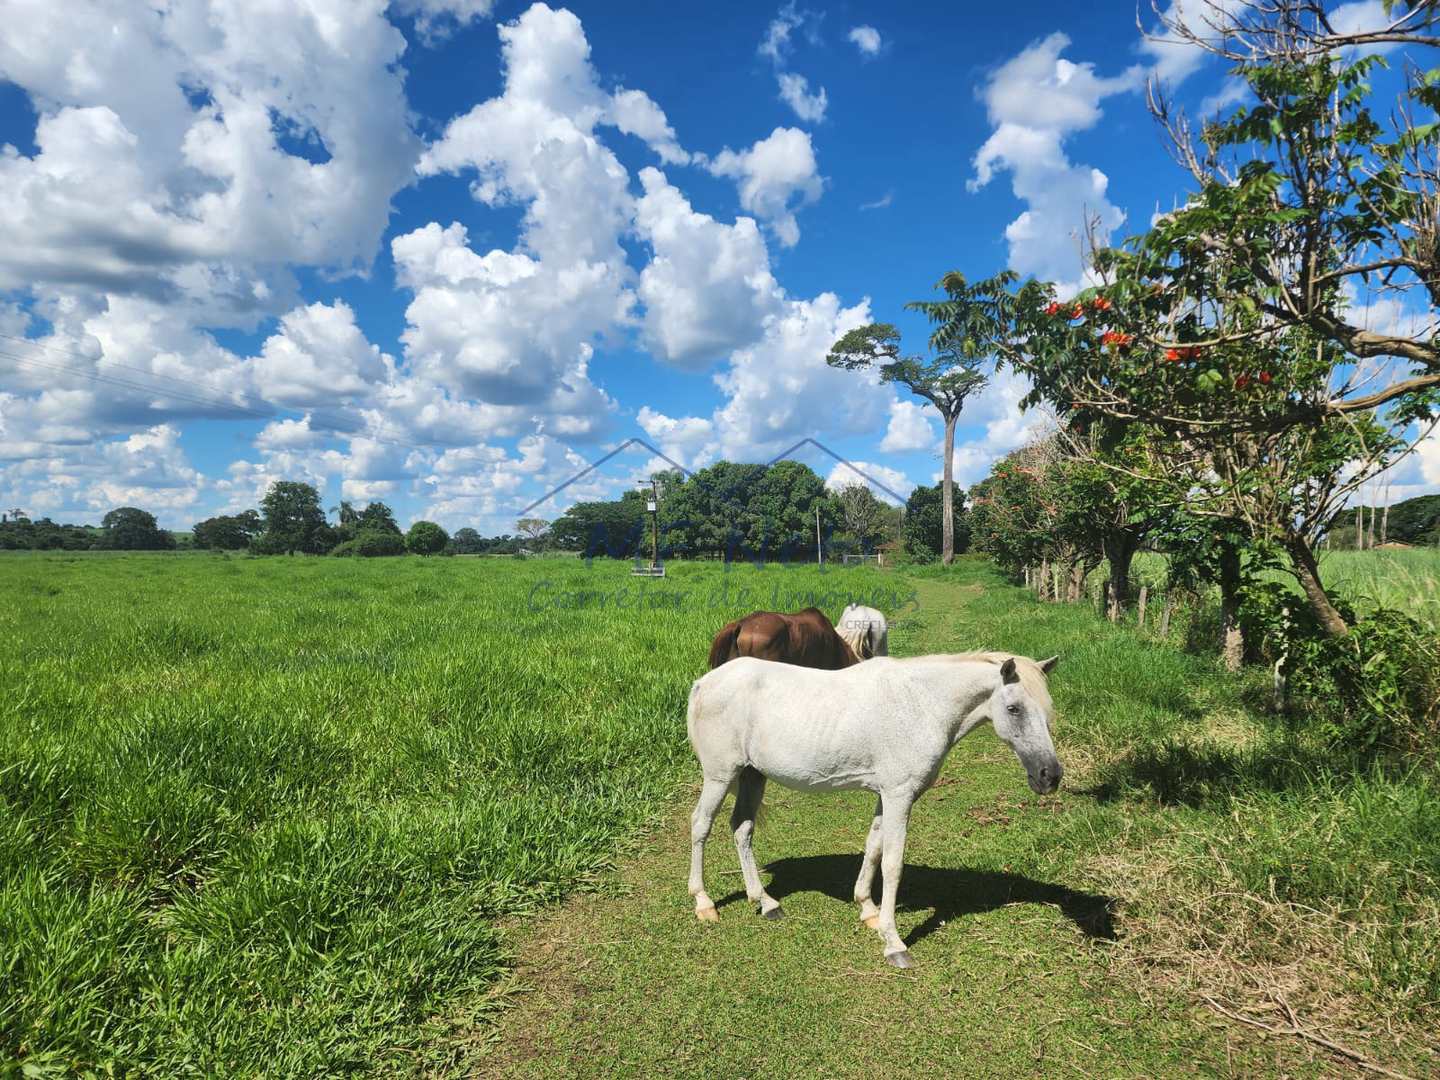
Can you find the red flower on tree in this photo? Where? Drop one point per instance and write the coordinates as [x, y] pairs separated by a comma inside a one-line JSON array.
[[1266, 378], [1101, 304], [1054, 309]]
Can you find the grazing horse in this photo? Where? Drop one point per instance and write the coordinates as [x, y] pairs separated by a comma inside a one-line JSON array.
[[865, 631], [806, 638], [884, 725]]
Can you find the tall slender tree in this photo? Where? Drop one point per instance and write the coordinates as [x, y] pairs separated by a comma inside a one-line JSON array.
[[968, 323]]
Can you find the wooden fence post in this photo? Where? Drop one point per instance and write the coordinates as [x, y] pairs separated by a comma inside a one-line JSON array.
[[1140, 614], [1165, 614], [1055, 581]]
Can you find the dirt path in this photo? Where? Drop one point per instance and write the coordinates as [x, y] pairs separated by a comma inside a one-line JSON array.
[[1014, 975]]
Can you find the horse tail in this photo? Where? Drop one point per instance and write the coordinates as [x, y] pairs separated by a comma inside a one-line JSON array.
[[723, 647]]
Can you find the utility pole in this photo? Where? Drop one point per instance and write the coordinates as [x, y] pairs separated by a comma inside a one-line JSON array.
[[652, 504], [819, 551]]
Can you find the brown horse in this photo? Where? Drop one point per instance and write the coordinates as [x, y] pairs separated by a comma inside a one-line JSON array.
[[806, 638]]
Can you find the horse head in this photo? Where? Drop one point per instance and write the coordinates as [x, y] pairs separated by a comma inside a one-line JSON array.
[[1020, 711]]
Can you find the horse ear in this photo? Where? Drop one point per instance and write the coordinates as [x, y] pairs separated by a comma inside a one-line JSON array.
[[1008, 674], [1048, 666]]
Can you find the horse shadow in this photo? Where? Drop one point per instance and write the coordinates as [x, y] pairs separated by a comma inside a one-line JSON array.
[[947, 893]]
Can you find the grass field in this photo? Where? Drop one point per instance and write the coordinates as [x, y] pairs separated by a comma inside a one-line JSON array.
[[1406, 579], [290, 816], [267, 810]]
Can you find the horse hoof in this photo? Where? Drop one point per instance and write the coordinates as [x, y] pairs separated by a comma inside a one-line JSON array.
[[873, 922], [900, 959], [707, 914], [775, 912]]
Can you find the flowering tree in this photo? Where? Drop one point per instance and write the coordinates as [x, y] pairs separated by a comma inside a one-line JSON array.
[[1234, 327], [1230, 432], [1307, 202]]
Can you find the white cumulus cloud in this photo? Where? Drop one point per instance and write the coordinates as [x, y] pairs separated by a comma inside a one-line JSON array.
[[866, 39], [776, 177], [1035, 100]]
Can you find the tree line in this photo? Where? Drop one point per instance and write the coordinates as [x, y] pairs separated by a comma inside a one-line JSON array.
[[728, 511], [735, 511], [290, 520]]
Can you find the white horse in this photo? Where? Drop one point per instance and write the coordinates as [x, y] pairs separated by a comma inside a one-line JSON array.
[[865, 631], [884, 725]]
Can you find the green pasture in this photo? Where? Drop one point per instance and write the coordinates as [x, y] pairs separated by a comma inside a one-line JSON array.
[[266, 811], [293, 817]]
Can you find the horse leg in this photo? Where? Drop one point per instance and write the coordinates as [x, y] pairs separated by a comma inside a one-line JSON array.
[[895, 819], [711, 796], [748, 795], [869, 913]]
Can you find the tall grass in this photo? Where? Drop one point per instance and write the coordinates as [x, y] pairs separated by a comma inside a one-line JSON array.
[[259, 816], [1404, 579]]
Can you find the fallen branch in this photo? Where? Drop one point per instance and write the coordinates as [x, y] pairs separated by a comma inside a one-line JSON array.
[[1295, 1029]]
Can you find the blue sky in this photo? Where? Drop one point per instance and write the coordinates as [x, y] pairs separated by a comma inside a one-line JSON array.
[[446, 252]]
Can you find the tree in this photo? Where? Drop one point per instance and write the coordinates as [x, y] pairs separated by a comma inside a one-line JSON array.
[[22, 534], [710, 513], [1235, 322], [345, 513], [377, 517], [780, 514], [426, 538], [969, 323], [467, 541], [1236, 429], [128, 529], [596, 528], [293, 520], [533, 529], [863, 513], [232, 532], [1306, 197], [924, 530], [1039, 510]]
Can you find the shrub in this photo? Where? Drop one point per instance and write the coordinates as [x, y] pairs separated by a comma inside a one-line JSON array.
[[370, 543], [1376, 690], [426, 538], [268, 544]]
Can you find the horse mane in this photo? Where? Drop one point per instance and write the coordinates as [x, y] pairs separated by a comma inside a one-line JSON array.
[[1031, 677]]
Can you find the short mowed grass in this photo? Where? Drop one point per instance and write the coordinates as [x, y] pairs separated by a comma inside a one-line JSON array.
[[292, 817], [258, 816]]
